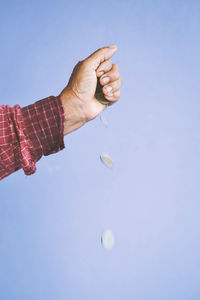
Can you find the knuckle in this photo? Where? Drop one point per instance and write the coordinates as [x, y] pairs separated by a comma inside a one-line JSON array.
[[118, 73], [119, 82], [109, 64], [115, 66], [115, 74], [82, 63], [114, 85]]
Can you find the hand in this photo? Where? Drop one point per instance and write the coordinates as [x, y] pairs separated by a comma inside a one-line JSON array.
[[78, 97]]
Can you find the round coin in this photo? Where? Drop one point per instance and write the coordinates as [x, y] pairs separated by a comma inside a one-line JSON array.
[[106, 160], [103, 120], [108, 239]]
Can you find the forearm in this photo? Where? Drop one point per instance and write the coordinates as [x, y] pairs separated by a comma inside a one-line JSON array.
[[28, 133]]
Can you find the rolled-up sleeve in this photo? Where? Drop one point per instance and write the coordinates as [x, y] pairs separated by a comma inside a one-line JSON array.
[[28, 133]]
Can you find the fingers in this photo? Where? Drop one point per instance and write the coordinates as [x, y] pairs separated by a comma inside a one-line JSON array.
[[115, 97], [104, 67], [99, 56], [112, 87], [110, 76], [111, 82]]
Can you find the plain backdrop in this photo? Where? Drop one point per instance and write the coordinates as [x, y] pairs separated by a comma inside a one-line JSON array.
[[51, 222]]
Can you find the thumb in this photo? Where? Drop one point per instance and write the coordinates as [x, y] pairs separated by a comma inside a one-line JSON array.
[[99, 56]]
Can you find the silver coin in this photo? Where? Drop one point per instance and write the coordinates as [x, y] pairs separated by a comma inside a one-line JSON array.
[[108, 239], [106, 160], [103, 120]]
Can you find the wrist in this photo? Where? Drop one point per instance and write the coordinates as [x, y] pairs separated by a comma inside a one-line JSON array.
[[73, 111]]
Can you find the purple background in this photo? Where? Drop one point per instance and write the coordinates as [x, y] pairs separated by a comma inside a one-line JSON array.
[[51, 222]]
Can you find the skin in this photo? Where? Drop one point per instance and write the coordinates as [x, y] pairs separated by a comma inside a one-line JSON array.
[[78, 97]]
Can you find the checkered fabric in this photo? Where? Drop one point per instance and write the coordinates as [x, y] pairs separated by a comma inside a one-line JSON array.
[[28, 133]]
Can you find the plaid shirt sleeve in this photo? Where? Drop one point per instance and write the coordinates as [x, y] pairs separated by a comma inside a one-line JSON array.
[[28, 133]]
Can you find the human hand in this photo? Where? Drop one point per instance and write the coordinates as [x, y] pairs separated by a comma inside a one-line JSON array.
[[78, 97]]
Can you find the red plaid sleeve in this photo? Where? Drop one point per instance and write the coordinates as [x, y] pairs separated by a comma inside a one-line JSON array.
[[28, 133]]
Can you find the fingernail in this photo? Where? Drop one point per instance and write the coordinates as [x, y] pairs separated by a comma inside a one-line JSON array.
[[106, 79], [110, 94], [109, 88], [100, 73]]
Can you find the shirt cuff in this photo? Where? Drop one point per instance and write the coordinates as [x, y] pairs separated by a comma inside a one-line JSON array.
[[44, 123]]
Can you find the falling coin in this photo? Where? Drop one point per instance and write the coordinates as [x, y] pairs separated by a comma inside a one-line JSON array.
[[103, 120], [108, 239], [106, 160]]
